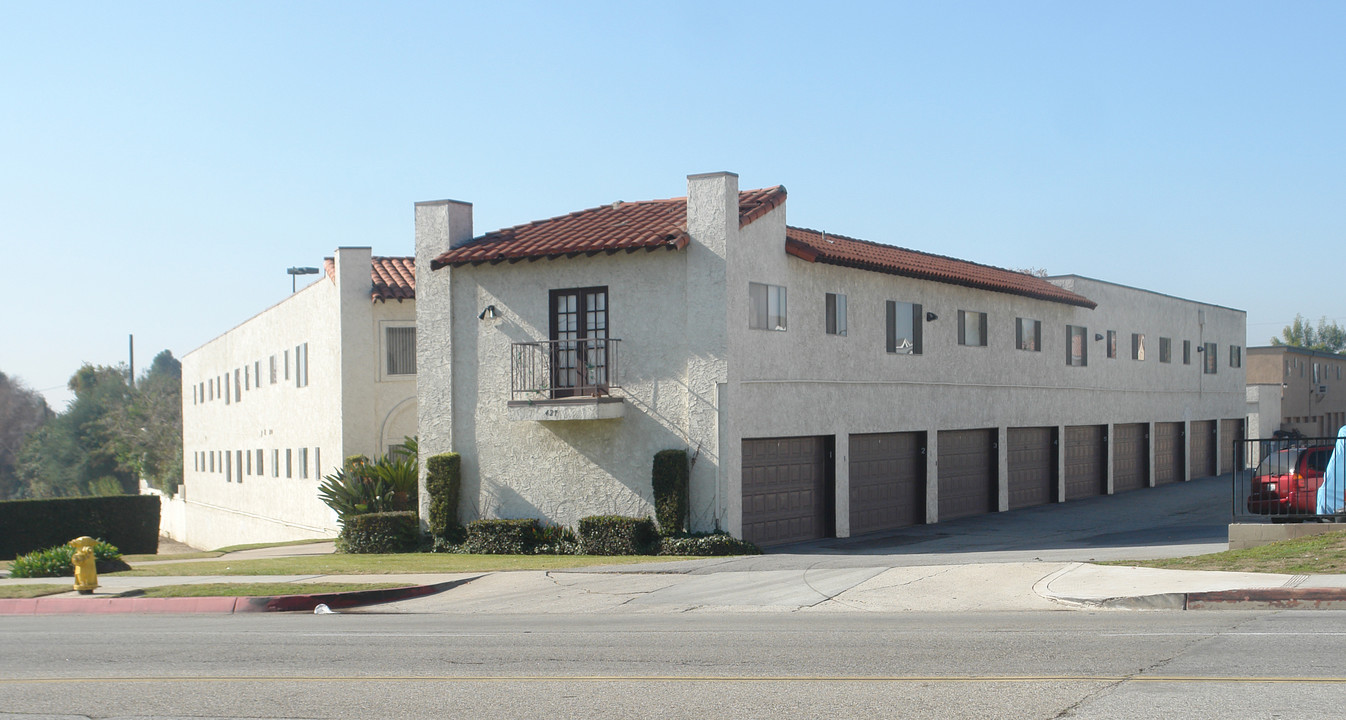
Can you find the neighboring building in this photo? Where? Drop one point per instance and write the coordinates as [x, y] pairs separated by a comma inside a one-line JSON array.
[[1293, 389], [822, 385], [274, 404]]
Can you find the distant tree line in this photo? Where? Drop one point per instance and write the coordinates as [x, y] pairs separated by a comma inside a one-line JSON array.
[[111, 435], [1326, 337]]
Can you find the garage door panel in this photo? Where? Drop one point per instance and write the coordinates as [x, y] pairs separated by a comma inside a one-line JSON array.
[[1131, 457], [1169, 456], [887, 481], [1231, 432], [1202, 440], [1086, 461], [967, 473], [1031, 458], [785, 490]]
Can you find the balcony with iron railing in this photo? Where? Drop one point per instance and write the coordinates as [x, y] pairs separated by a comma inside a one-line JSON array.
[[570, 379]]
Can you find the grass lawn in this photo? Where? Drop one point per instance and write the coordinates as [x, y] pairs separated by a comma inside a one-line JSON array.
[[340, 564], [1323, 554], [260, 589], [10, 592]]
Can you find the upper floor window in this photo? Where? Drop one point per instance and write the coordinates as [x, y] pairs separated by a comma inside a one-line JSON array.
[[1211, 363], [301, 365], [579, 334], [971, 328], [273, 369], [835, 321], [1028, 334], [1186, 352], [1077, 349], [904, 327], [1137, 346], [1235, 356], [1165, 350], [400, 350], [766, 306], [1112, 344]]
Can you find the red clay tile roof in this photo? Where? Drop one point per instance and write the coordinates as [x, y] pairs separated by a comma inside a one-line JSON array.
[[394, 278], [817, 246], [648, 225]]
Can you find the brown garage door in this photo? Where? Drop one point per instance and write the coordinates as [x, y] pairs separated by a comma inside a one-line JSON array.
[[1169, 461], [1131, 457], [967, 473], [1231, 433], [1086, 461], [887, 472], [1203, 448], [787, 490], [1031, 460]]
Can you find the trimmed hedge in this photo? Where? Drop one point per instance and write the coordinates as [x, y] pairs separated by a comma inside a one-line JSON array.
[[617, 535], [131, 522], [382, 532], [443, 481], [669, 478], [707, 545], [59, 561], [503, 537]]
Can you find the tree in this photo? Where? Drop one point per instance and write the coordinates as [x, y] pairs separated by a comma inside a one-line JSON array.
[[1326, 337], [22, 411], [145, 433]]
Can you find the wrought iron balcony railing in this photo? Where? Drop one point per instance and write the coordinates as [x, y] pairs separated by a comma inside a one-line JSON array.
[[555, 369]]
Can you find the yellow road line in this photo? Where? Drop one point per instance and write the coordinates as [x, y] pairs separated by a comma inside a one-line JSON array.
[[692, 678]]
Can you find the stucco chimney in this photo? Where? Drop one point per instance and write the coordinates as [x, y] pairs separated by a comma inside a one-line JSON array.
[[442, 225], [712, 209]]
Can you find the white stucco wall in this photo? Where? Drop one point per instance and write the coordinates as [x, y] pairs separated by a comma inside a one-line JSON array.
[[342, 410]]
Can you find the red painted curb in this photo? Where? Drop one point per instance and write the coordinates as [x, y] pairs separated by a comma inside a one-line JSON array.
[[281, 603]]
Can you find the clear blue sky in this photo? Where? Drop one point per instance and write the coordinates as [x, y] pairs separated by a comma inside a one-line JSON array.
[[161, 164]]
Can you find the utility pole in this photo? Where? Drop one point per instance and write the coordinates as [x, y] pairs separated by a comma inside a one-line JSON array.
[[131, 339]]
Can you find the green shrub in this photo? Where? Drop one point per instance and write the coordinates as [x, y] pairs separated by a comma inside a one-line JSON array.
[[130, 522], [59, 561], [669, 478], [617, 535], [382, 532], [707, 545], [360, 486], [503, 537], [443, 482]]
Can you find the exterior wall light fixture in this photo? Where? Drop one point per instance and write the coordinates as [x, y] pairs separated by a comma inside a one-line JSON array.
[[490, 313], [931, 317], [1098, 336]]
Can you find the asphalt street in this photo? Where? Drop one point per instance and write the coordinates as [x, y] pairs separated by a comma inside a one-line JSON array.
[[946, 665]]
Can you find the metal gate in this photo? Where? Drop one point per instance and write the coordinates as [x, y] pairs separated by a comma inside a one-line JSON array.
[[1086, 449], [1202, 439], [1169, 459], [887, 476], [967, 473], [1031, 460], [787, 490], [1131, 457]]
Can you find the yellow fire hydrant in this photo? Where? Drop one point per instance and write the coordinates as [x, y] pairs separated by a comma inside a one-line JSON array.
[[86, 573]]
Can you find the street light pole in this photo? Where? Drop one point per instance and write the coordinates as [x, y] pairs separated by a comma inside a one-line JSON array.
[[294, 272]]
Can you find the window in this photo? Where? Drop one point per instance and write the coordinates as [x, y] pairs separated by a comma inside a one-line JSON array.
[[249, 463], [836, 314], [1211, 363], [1235, 356], [971, 328], [257, 374], [247, 383], [766, 306], [1138, 346], [273, 369], [289, 463], [1077, 347], [212, 461], [400, 349], [579, 333], [1112, 344], [303, 463], [1186, 352], [228, 474], [1028, 334], [239, 455], [301, 365], [226, 388], [317, 463], [904, 328], [1165, 350], [275, 463], [203, 392], [1315, 374], [260, 472], [238, 387], [287, 364]]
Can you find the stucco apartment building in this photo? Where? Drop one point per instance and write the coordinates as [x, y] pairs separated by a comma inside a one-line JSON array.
[[276, 403], [822, 385], [1295, 389]]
